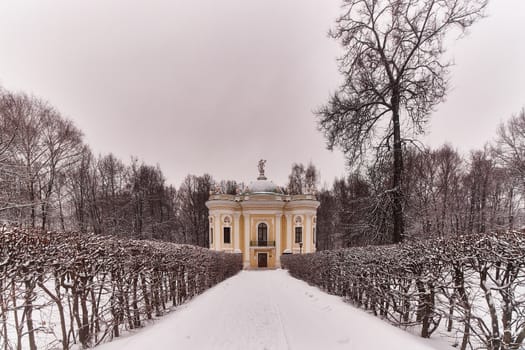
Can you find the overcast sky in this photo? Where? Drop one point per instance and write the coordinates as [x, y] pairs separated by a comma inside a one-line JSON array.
[[213, 86]]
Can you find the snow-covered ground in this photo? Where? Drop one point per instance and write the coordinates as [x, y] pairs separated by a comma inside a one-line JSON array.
[[270, 310]]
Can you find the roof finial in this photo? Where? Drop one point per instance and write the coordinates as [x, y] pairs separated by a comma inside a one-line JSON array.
[[262, 163]]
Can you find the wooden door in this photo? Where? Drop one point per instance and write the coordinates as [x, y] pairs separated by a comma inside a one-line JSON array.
[[262, 259]]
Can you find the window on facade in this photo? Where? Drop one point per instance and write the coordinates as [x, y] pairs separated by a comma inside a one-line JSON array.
[[262, 232], [298, 234], [314, 238], [211, 235], [227, 235]]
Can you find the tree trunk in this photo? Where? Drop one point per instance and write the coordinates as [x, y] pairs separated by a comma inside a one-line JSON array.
[[28, 310], [18, 326], [32, 200], [3, 314], [60, 308], [511, 216], [397, 195], [459, 286], [495, 339]]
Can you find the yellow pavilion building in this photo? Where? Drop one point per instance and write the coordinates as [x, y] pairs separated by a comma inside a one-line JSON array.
[[262, 223]]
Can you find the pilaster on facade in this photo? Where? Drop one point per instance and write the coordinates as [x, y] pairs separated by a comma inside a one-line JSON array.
[[289, 227], [246, 253], [217, 232], [211, 239], [308, 233], [278, 239], [236, 233]]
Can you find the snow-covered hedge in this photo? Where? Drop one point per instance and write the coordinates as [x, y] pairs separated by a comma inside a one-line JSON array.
[[471, 286], [59, 289]]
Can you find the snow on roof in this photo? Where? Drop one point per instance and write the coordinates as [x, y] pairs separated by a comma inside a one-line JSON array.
[[263, 186]]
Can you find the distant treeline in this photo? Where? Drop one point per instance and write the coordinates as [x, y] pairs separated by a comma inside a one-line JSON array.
[[444, 193], [50, 179]]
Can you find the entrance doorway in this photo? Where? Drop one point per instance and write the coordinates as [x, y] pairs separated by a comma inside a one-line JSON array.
[[262, 259]]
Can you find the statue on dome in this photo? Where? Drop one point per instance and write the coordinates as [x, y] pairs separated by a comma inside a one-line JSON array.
[[262, 163]]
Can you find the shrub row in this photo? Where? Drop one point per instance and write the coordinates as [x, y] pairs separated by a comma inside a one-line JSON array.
[[59, 289], [471, 286]]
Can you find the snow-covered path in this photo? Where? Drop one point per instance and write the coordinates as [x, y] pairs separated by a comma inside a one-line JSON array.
[[269, 310]]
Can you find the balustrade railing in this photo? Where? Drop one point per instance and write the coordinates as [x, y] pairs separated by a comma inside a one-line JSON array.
[[260, 243]]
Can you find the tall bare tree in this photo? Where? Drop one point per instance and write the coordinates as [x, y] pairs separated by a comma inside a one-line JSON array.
[[192, 212], [296, 179], [394, 76], [9, 198], [63, 144], [510, 146], [302, 179], [27, 152]]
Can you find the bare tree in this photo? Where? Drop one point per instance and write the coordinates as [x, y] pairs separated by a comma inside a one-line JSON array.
[[27, 152], [111, 195], [311, 177], [8, 170], [63, 144], [81, 189], [394, 75], [192, 212], [296, 179], [510, 145], [326, 220], [302, 179], [434, 192]]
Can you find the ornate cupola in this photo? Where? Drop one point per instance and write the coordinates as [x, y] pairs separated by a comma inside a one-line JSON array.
[[262, 185]]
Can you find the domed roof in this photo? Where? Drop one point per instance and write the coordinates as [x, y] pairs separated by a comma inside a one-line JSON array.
[[262, 186]]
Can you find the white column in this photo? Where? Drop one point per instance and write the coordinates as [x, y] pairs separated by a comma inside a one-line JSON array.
[[236, 233], [289, 232], [278, 240], [307, 241], [211, 229], [217, 232], [247, 237]]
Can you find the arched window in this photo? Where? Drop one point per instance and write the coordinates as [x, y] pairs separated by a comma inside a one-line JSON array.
[[211, 235], [298, 234], [298, 229], [262, 234], [227, 230]]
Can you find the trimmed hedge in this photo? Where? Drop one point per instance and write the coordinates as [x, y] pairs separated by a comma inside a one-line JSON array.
[[472, 286], [95, 286]]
